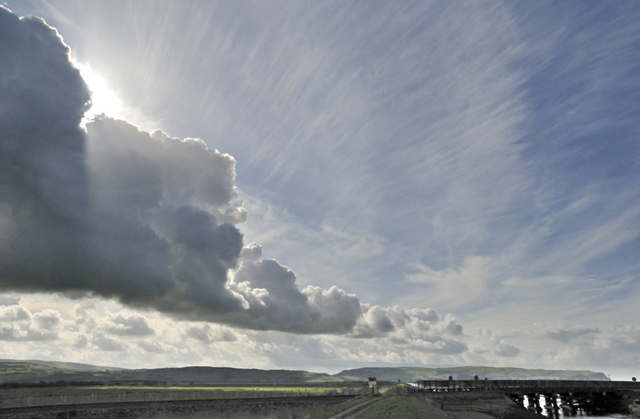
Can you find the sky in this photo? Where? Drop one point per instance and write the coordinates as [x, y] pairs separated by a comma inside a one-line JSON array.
[[321, 185]]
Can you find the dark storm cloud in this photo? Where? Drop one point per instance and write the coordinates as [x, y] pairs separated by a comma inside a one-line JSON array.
[[42, 190], [121, 213]]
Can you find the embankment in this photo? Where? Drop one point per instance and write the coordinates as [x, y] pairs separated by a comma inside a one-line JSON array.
[[478, 405]]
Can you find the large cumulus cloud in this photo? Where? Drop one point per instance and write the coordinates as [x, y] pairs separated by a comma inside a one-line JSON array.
[[116, 212], [273, 297], [42, 171], [151, 221]]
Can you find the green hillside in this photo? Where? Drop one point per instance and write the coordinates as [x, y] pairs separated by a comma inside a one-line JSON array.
[[13, 371], [411, 374], [222, 375], [62, 365], [48, 372]]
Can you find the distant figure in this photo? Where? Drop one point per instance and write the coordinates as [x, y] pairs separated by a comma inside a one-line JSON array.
[[373, 385]]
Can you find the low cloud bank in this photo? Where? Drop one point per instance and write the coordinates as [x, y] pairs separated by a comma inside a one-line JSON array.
[[95, 330]]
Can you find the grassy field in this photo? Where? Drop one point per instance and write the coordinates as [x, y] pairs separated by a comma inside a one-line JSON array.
[[385, 407], [335, 410], [49, 396], [402, 407], [389, 406]]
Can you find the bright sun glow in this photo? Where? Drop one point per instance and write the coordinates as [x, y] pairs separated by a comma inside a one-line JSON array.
[[104, 100]]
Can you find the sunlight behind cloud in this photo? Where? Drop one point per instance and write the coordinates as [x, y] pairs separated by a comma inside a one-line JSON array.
[[104, 100], [393, 161]]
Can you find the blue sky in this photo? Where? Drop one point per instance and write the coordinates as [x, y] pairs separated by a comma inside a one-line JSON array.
[[476, 159]]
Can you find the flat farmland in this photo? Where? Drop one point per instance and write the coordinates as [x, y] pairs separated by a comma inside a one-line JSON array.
[[254, 408], [71, 395]]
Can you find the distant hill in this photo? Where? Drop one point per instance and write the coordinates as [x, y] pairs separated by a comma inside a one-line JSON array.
[[12, 371], [32, 371], [223, 375], [411, 374], [61, 365]]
